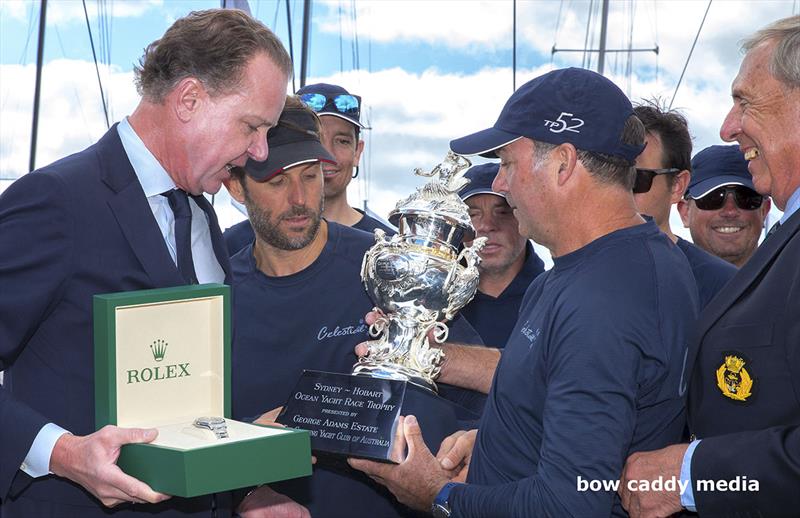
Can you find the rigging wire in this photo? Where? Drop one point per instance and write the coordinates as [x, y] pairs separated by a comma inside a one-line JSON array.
[[629, 67], [555, 36], [586, 36], [689, 57], [97, 69], [86, 124], [655, 30], [291, 47], [104, 20], [30, 32], [341, 47], [22, 57], [275, 18], [514, 52], [356, 54]]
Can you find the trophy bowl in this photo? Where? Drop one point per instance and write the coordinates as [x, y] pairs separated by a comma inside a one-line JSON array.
[[418, 278]]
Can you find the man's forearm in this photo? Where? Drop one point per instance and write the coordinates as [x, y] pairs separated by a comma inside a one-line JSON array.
[[469, 366]]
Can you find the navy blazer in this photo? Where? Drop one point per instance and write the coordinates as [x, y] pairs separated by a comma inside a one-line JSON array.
[[744, 395], [78, 227]]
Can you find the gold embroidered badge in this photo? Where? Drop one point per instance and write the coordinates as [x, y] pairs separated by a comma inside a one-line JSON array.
[[733, 379]]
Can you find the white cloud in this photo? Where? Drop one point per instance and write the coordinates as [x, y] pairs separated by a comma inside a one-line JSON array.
[[71, 114], [63, 11], [455, 24], [72, 11], [16, 9]]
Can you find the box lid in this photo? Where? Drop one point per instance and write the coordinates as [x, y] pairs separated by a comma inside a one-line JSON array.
[[162, 355]]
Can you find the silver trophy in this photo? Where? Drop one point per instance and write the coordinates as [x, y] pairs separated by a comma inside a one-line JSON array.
[[418, 278]]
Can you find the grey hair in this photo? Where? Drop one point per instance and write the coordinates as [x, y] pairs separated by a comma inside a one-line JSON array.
[[785, 61]]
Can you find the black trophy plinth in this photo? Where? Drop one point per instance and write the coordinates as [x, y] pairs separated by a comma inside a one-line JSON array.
[[356, 416]]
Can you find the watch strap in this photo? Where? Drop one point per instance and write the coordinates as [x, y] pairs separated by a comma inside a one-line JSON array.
[[441, 504]]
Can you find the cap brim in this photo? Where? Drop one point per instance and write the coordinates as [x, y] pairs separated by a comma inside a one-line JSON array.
[[706, 186], [287, 156], [344, 117], [470, 194], [483, 143]]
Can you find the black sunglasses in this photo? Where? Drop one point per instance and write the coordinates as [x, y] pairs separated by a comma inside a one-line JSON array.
[[745, 198], [644, 178]]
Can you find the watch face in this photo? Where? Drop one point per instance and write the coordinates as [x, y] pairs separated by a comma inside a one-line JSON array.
[[208, 422], [440, 511]]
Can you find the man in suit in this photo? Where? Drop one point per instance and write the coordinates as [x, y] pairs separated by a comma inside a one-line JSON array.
[[744, 391], [125, 214]]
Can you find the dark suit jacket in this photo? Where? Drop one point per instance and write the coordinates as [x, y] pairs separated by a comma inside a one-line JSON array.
[[78, 227], [754, 319]]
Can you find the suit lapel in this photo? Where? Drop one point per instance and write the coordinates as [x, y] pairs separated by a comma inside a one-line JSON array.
[[133, 213], [742, 281]]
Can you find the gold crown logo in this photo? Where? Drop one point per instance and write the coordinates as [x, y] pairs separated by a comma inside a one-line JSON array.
[[734, 363], [159, 349]]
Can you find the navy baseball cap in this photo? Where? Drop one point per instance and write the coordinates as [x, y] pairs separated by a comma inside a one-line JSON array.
[[293, 141], [333, 100], [716, 166], [572, 105], [480, 180]]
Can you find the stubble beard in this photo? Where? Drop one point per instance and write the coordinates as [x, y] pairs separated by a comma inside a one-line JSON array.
[[268, 228]]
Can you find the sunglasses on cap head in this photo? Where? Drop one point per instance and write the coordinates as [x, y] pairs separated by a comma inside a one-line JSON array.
[[644, 178], [345, 104], [745, 198]]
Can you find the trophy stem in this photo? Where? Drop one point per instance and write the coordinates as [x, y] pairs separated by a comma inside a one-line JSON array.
[[402, 353]]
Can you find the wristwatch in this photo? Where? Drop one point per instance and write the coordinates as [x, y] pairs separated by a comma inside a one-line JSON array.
[[441, 506], [215, 424]]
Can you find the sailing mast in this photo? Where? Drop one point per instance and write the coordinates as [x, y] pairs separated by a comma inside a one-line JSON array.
[[603, 50], [38, 87]]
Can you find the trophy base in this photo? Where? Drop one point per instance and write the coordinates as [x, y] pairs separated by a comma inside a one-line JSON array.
[[356, 416]]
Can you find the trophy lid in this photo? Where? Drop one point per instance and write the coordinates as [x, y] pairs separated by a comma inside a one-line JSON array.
[[438, 199]]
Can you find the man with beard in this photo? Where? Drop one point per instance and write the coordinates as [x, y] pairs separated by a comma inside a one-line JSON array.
[[721, 208], [298, 303], [339, 113]]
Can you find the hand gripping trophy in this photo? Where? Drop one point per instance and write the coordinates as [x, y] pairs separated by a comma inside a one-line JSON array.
[[418, 278]]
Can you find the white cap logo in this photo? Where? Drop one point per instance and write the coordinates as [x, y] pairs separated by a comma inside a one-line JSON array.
[[559, 125]]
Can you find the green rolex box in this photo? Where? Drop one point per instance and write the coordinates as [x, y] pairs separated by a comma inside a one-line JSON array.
[[162, 358]]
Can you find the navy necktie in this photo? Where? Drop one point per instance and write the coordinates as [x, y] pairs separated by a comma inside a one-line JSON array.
[[179, 203]]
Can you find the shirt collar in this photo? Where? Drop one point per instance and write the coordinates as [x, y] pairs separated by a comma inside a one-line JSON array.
[[791, 206], [151, 175]]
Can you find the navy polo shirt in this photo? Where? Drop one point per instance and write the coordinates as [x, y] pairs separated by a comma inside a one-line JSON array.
[[309, 320], [238, 236], [242, 234], [592, 372], [710, 272], [494, 318], [368, 224]]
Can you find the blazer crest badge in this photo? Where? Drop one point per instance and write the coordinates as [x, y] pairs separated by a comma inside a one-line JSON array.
[[733, 379]]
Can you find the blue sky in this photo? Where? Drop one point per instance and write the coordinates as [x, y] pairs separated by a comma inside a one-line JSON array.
[[67, 37], [430, 70]]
